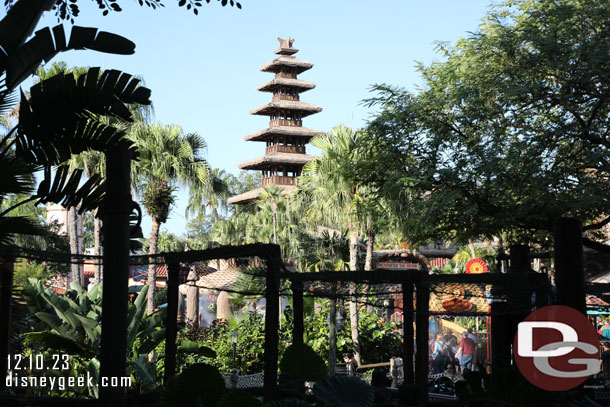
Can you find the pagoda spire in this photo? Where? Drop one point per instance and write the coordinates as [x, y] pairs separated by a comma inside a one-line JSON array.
[[285, 138]]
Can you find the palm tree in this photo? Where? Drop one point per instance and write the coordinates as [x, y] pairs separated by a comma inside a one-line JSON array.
[[92, 162], [168, 158], [272, 194], [211, 195], [335, 199]]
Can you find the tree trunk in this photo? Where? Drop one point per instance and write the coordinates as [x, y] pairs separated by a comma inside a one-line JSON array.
[[97, 246], [473, 253], [192, 300], [273, 205], [368, 265], [332, 337], [152, 268], [353, 306], [368, 261], [73, 236]]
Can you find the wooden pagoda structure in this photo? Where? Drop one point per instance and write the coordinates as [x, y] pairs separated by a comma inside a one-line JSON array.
[[285, 138]]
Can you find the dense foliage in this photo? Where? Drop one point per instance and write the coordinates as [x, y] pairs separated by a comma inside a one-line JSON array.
[[509, 131], [250, 345], [378, 341]]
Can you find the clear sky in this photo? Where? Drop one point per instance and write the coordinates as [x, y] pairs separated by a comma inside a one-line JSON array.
[[203, 70]]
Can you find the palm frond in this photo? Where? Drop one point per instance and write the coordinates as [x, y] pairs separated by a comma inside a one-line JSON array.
[[46, 43]]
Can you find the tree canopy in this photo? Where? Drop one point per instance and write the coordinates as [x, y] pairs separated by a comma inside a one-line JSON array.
[[510, 130]]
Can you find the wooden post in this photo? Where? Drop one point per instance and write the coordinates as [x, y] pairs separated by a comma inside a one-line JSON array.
[[569, 269], [117, 207], [407, 335], [500, 336], [542, 290], [422, 294], [519, 301], [171, 323], [6, 297], [297, 305], [272, 297]]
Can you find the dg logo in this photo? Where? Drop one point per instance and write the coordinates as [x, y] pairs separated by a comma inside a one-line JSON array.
[[556, 348]]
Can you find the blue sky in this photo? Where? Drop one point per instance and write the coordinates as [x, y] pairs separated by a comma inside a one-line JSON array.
[[203, 70]]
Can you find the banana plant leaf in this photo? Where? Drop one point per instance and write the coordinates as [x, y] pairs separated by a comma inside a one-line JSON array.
[[134, 316], [48, 318], [46, 43], [93, 367], [143, 372], [61, 115], [19, 23], [56, 341]]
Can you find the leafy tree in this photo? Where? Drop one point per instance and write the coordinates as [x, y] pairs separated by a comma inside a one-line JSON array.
[[509, 132], [168, 157]]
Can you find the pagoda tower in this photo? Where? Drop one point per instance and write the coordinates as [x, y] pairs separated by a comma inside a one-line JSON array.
[[285, 138]]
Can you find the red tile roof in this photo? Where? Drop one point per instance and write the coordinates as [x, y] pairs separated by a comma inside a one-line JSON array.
[[161, 270]]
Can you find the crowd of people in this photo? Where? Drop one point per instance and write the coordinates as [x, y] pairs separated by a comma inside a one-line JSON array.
[[447, 352]]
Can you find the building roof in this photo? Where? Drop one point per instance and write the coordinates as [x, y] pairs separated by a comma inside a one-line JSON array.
[[219, 280], [286, 47], [296, 84], [286, 61], [137, 271], [275, 158], [292, 131], [250, 196], [270, 108]]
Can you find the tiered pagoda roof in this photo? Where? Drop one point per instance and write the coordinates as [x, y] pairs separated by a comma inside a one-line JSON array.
[[285, 137]]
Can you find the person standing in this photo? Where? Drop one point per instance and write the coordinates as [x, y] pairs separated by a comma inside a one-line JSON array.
[[465, 352], [475, 355], [439, 355], [350, 363]]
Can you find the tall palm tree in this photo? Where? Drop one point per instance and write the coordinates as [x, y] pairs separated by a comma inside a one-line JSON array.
[[211, 194], [168, 158], [92, 162], [335, 199]]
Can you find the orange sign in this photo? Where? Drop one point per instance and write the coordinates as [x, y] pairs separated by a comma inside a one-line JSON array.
[[476, 266]]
